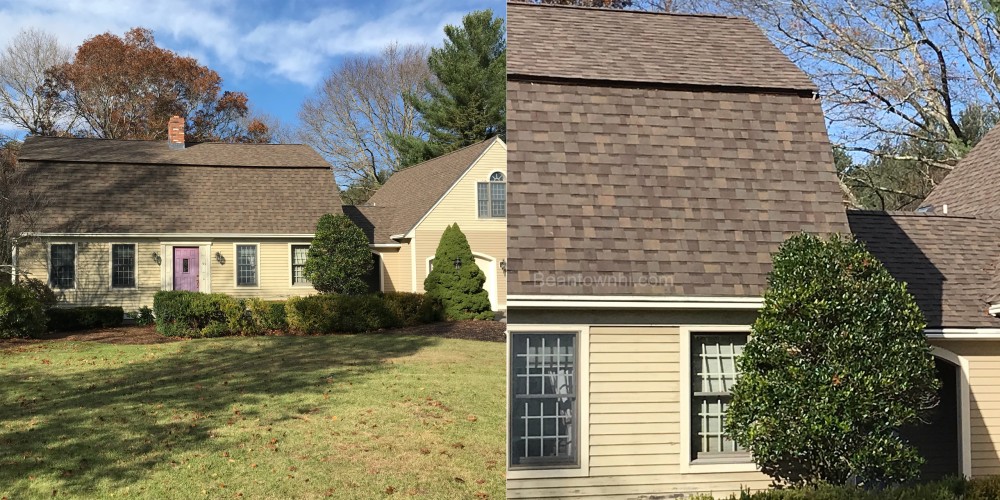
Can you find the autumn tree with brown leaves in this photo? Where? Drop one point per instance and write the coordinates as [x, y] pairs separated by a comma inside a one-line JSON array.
[[128, 88]]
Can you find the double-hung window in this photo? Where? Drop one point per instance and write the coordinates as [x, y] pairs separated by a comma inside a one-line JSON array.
[[544, 419], [713, 374], [123, 265], [492, 196], [246, 265], [299, 255], [62, 265]]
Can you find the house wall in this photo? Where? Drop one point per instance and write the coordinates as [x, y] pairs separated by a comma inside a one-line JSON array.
[[93, 275], [396, 269], [487, 237], [632, 390]]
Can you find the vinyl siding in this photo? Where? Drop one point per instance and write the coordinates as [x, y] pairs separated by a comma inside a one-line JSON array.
[[635, 419], [486, 236], [93, 273], [397, 276], [984, 401]]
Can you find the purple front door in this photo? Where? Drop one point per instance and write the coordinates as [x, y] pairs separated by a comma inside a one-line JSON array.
[[186, 268]]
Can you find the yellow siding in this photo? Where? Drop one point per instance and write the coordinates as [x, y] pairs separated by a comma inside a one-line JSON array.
[[635, 424], [396, 275], [93, 271], [486, 236], [984, 401], [93, 275]]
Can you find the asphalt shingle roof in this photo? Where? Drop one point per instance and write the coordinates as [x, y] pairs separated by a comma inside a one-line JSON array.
[[967, 190]]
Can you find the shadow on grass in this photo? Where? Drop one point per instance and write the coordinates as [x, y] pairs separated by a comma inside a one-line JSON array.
[[78, 424]]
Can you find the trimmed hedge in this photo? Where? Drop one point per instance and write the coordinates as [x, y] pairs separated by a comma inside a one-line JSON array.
[[193, 314], [980, 488], [21, 313], [68, 319]]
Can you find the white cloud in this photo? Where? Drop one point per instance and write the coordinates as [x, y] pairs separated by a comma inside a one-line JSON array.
[[226, 34]]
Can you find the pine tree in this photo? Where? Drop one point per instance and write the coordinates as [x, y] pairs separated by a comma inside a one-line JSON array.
[[466, 101], [460, 290], [339, 258]]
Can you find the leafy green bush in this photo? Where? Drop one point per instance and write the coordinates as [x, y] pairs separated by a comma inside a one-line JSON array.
[[836, 363], [955, 488], [459, 290], [68, 319], [195, 314], [40, 290], [266, 316], [339, 257], [143, 316], [414, 308], [21, 313]]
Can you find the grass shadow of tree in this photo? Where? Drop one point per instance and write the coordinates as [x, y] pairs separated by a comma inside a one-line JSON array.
[[79, 427]]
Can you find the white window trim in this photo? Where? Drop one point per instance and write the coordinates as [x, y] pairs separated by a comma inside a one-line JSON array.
[[291, 268], [236, 265], [76, 261], [686, 465], [111, 266], [489, 184], [582, 469], [964, 410]]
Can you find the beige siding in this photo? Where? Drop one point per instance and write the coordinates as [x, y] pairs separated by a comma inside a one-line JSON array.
[[984, 401], [396, 269], [93, 275], [635, 419], [486, 236], [93, 271]]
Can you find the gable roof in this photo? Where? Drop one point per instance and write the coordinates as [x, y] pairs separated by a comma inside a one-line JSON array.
[[143, 187], [970, 188], [651, 190], [949, 263], [633, 46], [409, 194]]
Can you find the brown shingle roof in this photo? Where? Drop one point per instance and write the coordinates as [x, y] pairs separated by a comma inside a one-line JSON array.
[[949, 263], [151, 195], [410, 193], [694, 189], [599, 44], [970, 189], [156, 152]]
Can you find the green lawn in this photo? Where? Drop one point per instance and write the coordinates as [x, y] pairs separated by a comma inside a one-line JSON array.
[[352, 416]]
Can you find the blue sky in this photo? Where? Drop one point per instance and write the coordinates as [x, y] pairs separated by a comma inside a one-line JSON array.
[[275, 51]]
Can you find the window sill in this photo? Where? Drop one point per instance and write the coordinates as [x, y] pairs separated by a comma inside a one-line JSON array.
[[545, 471], [739, 463]]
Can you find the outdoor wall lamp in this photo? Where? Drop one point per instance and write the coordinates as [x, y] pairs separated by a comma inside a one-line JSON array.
[[219, 258], [458, 264], [156, 258], [503, 266]]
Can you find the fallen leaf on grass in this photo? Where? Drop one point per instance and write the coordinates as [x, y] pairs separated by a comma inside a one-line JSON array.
[[471, 418], [390, 490]]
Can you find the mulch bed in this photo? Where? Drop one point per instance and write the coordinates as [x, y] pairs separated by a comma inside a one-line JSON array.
[[487, 331]]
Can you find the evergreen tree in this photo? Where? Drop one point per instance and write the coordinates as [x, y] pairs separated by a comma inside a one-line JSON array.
[[460, 290], [837, 362], [466, 101], [339, 258]]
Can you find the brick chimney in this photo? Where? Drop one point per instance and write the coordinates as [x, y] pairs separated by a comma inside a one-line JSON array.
[[175, 132]]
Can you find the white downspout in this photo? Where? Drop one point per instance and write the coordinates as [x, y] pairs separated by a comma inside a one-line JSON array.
[[13, 262]]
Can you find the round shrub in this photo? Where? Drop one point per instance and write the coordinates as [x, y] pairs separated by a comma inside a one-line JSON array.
[[21, 313], [837, 362], [40, 290], [339, 257]]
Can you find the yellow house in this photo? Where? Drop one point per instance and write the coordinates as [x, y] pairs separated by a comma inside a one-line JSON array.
[[406, 217], [121, 220]]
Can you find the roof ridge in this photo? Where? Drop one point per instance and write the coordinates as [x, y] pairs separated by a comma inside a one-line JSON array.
[[49, 137], [463, 148], [631, 11], [907, 213]]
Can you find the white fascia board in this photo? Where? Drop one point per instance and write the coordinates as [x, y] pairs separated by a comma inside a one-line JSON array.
[[384, 245], [963, 333], [167, 235], [632, 302]]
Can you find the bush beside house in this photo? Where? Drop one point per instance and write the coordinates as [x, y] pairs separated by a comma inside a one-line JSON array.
[[339, 257], [68, 319], [837, 362], [459, 289], [980, 488], [21, 313]]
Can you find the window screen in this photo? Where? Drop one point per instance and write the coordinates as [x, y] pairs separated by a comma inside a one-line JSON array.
[[62, 262], [246, 265], [544, 400], [713, 374], [299, 255], [123, 266]]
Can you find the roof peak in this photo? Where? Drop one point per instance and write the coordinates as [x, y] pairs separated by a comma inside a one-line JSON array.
[[630, 11]]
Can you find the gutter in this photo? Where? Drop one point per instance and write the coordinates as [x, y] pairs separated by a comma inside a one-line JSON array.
[[632, 302]]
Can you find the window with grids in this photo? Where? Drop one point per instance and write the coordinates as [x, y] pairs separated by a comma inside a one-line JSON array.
[[492, 196], [62, 265], [123, 266], [299, 255], [713, 374], [246, 265], [543, 420]]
